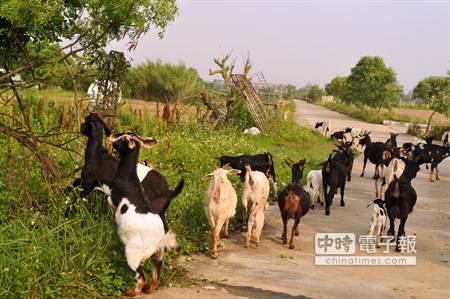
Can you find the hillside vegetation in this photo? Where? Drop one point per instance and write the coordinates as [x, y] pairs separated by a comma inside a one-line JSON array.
[[45, 254]]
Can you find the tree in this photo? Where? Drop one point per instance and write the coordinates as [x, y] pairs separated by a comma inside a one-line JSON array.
[[290, 91], [372, 83], [435, 91], [232, 95], [337, 88], [314, 93], [68, 30], [164, 82]]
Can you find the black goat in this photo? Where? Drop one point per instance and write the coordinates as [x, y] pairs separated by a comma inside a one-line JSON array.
[[400, 197], [373, 152], [294, 202], [339, 135], [140, 227], [261, 162], [392, 141], [345, 154], [100, 168], [334, 173]]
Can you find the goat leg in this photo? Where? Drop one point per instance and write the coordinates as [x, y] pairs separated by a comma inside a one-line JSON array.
[[284, 235], [140, 283], [364, 166], [157, 259], [401, 232], [294, 232], [342, 194], [225, 229]]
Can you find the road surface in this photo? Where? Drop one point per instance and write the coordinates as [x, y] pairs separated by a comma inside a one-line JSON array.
[[274, 271]]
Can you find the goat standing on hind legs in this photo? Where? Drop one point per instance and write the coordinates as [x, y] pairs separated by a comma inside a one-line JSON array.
[[140, 227], [294, 202]]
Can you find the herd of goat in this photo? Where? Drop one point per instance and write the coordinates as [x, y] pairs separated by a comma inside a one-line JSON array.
[[139, 196]]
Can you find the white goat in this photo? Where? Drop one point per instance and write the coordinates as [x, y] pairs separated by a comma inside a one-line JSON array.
[[395, 167], [220, 204], [379, 219], [256, 189], [314, 186]]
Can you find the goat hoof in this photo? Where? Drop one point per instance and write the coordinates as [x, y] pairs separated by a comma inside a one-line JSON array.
[[327, 212], [362, 174], [342, 204], [312, 207], [291, 246], [284, 241], [247, 244], [214, 255], [131, 292], [321, 203], [226, 236], [148, 289], [257, 244]]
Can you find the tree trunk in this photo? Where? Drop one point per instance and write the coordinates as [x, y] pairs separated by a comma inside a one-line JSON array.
[[429, 122]]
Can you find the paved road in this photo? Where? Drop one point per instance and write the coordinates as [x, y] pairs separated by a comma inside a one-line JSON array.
[[274, 271]]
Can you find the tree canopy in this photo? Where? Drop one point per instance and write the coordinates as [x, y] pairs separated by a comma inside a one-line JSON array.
[[337, 88], [372, 83], [314, 93], [38, 38], [435, 91]]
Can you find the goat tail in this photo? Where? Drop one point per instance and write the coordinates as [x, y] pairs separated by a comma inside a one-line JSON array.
[[395, 165], [174, 193], [103, 188], [168, 241], [396, 192]]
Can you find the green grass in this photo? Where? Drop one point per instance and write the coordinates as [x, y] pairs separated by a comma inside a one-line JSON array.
[[44, 254]]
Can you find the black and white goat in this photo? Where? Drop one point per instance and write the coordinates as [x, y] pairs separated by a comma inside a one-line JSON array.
[[261, 162], [100, 167], [294, 202], [445, 138], [379, 219], [140, 227], [355, 134], [323, 127], [430, 153], [400, 198]]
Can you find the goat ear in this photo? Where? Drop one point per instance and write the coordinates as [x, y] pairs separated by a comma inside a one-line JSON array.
[[107, 131], [206, 177], [234, 171], [288, 163], [148, 142], [302, 162]]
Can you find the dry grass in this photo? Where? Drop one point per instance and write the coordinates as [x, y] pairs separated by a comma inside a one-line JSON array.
[[423, 115]]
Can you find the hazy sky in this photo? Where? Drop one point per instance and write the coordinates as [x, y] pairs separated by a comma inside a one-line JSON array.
[[300, 42]]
